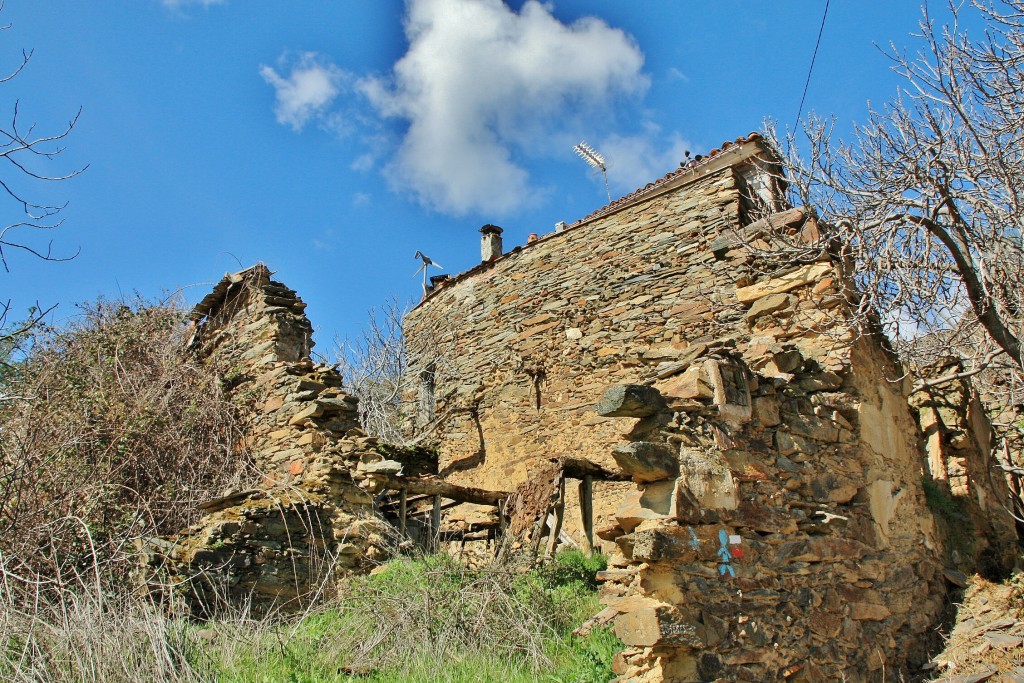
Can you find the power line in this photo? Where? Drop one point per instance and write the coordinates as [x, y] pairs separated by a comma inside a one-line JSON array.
[[810, 69]]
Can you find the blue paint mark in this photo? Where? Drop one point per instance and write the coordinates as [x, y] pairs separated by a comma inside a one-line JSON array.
[[725, 555], [694, 541]]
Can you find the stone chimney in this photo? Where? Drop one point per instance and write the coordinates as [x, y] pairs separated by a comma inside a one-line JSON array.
[[490, 242]]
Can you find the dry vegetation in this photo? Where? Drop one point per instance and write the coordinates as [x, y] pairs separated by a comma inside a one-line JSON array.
[[423, 620], [108, 432]]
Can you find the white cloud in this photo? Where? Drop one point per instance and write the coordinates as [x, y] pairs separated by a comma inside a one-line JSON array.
[[635, 160], [478, 86], [364, 162], [674, 73], [306, 91]]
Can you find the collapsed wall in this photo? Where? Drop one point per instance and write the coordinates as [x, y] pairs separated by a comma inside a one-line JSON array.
[[968, 490], [307, 513], [776, 525]]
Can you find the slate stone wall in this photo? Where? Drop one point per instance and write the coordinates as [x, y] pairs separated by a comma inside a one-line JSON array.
[[303, 514], [776, 527]]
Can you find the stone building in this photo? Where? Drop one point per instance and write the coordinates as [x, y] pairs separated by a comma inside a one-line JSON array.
[[748, 458], [775, 524]]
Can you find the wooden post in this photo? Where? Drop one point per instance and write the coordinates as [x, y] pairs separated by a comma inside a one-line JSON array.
[[403, 509], [502, 523], [435, 523], [498, 536], [559, 513], [587, 511]]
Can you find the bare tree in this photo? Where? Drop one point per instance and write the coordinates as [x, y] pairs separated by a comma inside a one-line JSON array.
[[23, 148], [27, 152], [373, 368], [926, 199], [925, 205]]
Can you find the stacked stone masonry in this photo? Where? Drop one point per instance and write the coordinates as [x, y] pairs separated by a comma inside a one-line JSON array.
[[306, 514], [776, 527], [758, 469]]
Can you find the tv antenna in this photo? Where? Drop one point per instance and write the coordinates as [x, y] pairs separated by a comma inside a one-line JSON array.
[[427, 262], [595, 160]]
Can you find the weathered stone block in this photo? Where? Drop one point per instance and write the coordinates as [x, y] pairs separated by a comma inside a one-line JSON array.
[[866, 611], [773, 303], [804, 275], [676, 544], [814, 427], [787, 360], [766, 411], [707, 479], [822, 381], [694, 383], [789, 444], [630, 400], [650, 622], [646, 461], [656, 500]]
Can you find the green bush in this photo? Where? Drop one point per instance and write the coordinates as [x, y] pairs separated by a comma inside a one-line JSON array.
[[574, 566]]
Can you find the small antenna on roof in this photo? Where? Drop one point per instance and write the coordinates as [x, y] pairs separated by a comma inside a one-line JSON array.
[[596, 160], [427, 261]]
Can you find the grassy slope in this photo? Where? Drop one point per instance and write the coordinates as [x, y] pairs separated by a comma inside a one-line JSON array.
[[428, 620], [424, 620]]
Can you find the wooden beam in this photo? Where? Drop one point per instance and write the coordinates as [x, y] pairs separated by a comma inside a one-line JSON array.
[[427, 511], [587, 512], [434, 486], [403, 508], [563, 537], [463, 536], [435, 522]]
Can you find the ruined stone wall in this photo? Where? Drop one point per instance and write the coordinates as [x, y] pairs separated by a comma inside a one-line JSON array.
[[965, 482], [777, 526], [520, 351], [790, 541], [306, 514]]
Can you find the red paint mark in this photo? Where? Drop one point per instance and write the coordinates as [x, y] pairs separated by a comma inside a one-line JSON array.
[[736, 552]]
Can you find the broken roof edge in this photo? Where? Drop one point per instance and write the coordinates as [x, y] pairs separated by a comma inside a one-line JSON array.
[[729, 153], [209, 302]]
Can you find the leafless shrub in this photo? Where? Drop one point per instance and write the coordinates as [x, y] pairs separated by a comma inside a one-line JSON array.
[[118, 436], [373, 368]]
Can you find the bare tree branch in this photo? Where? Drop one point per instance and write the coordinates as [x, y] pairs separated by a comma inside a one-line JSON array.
[[27, 152]]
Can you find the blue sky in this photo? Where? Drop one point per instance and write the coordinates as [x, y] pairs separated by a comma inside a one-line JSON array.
[[333, 139]]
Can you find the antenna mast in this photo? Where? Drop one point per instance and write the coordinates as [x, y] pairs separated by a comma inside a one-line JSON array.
[[595, 160], [427, 262]]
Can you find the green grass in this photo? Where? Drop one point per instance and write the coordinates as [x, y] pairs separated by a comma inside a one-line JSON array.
[[427, 620], [414, 620]]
